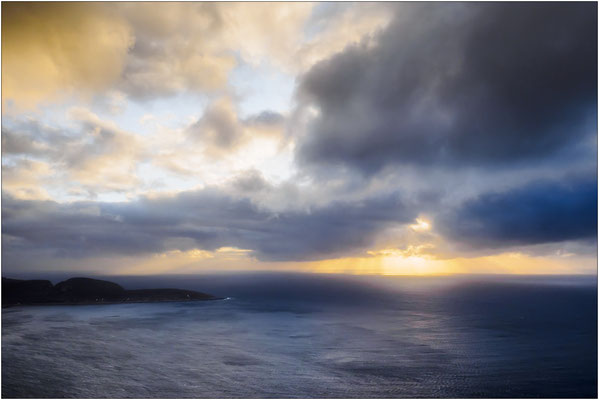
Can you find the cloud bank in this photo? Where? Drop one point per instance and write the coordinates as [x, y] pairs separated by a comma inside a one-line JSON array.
[[207, 219], [414, 131]]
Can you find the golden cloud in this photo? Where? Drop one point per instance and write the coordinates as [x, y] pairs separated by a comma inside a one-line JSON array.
[[55, 49]]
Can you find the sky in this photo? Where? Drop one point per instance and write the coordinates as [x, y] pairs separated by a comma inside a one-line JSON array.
[[361, 138]]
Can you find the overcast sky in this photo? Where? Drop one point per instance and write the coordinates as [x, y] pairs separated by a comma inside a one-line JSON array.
[[393, 138]]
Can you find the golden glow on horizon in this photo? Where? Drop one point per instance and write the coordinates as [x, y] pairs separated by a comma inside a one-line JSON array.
[[382, 262], [399, 264]]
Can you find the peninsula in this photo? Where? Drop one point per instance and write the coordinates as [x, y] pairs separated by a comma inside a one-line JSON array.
[[87, 291]]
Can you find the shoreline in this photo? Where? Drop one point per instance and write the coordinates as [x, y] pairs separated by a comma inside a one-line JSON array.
[[101, 303]]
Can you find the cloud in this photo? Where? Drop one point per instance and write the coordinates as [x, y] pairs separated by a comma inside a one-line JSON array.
[[104, 155], [334, 26], [219, 132], [23, 179], [91, 156], [207, 219], [479, 115], [250, 181], [177, 49], [149, 50], [218, 127], [265, 119], [537, 213], [90, 153], [456, 84], [15, 142], [192, 47], [50, 50]]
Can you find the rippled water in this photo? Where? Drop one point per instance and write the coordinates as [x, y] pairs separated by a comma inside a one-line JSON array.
[[313, 337]]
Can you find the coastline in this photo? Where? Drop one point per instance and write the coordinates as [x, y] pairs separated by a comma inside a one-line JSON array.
[[101, 303]]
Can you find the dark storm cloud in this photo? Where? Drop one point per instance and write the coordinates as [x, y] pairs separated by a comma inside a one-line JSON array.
[[206, 219], [457, 84], [541, 212]]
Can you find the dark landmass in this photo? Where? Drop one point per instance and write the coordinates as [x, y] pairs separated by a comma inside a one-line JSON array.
[[87, 291]]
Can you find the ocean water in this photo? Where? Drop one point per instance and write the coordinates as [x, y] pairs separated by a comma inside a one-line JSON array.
[[303, 336]]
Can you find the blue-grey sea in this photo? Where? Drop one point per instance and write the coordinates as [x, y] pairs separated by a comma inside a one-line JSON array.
[[306, 336]]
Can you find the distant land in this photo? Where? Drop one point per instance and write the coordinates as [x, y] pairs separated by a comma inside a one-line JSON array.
[[87, 291]]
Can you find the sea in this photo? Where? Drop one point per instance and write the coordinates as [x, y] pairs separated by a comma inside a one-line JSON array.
[[284, 335]]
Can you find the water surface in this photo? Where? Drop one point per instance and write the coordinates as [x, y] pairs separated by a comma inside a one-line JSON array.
[[314, 336]]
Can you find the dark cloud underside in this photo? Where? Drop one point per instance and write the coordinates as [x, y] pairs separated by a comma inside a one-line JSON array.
[[206, 219], [458, 84], [541, 212]]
